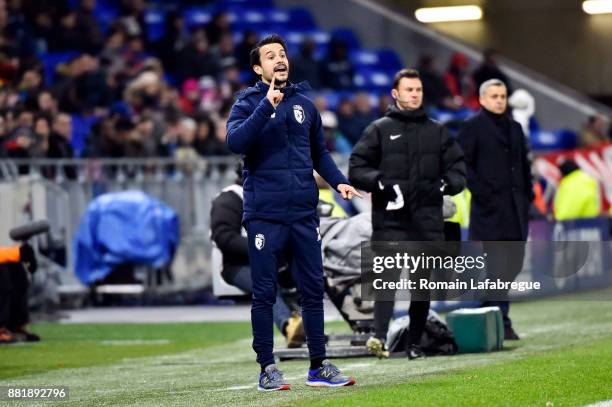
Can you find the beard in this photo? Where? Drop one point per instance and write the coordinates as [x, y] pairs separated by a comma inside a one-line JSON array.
[[278, 83]]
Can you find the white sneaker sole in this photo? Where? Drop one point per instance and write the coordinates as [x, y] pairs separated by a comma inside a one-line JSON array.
[[282, 388], [325, 384]]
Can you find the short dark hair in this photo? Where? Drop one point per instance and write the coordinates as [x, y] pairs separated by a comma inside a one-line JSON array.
[[270, 39], [43, 116], [405, 73]]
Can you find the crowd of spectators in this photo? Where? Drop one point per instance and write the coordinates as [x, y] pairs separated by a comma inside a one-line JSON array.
[[142, 98], [172, 96]]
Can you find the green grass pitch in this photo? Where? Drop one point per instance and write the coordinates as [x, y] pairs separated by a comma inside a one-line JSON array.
[[564, 359]]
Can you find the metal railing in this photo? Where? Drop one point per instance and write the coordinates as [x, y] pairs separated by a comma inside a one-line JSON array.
[[60, 191]]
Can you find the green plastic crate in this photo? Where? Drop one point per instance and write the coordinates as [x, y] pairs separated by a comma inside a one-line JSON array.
[[477, 329]]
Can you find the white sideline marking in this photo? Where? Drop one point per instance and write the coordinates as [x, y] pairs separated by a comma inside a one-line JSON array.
[[604, 403], [356, 366], [133, 342], [251, 387]]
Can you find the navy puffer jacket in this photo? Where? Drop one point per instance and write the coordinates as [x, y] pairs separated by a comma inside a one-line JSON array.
[[280, 149]]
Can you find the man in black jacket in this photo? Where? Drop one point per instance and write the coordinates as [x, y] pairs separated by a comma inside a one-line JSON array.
[[408, 162], [499, 177], [230, 237]]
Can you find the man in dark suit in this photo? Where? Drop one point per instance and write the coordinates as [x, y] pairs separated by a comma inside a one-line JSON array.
[[499, 177]]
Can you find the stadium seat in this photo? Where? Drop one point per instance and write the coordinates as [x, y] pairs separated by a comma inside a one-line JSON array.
[[347, 36], [197, 16], [445, 116], [52, 59], [246, 76], [333, 98], [297, 37], [262, 4], [389, 59], [382, 59], [260, 20], [374, 80], [170, 79], [278, 16], [301, 19], [81, 126], [106, 14], [561, 139], [155, 24], [364, 58]]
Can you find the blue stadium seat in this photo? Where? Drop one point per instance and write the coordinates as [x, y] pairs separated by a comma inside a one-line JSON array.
[[561, 139], [112, 4], [170, 79], [301, 19], [106, 14], [333, 98], [279, 16], [347, 36], [269, 20], [364, 58], [389, 59], [296, 37], [382, 59], [374, 80], [262, 32], [252, 16], [445, 116], [52, 59], [81, 126], [197, 16], [237, 36], [155, 24], [261, 4]]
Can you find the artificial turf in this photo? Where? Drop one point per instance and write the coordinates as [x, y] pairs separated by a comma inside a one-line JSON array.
[[563, 358]]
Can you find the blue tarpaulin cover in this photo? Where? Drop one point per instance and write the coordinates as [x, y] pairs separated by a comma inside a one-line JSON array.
[[124, 227]]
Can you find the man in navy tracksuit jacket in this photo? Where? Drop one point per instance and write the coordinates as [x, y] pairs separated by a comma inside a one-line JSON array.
[[278, 132]]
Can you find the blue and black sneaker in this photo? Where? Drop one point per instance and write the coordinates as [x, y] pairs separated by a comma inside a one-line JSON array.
[[272, 380], [328, 375]]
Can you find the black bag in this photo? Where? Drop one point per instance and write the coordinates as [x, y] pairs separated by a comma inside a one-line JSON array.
[[437, 339]]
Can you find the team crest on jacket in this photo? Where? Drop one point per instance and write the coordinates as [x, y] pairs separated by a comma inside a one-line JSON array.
[[260, 241], [298, 112]]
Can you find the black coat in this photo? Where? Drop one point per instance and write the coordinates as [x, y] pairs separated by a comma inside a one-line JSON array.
[[408, 149], [59, 147], [226, 229], [499, 177]]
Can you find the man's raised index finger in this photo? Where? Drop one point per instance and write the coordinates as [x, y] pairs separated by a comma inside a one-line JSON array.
[[272, 81]]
